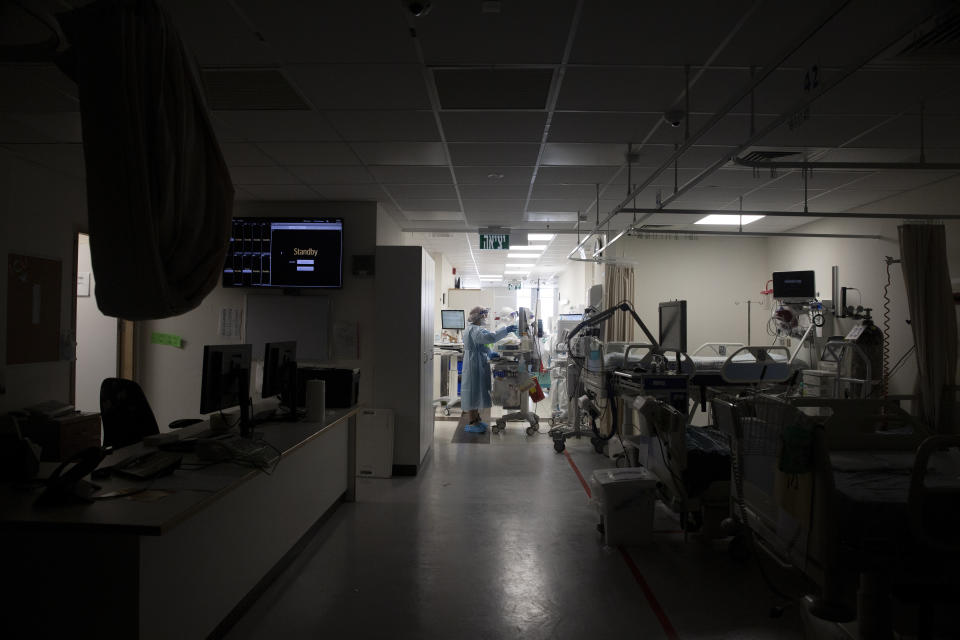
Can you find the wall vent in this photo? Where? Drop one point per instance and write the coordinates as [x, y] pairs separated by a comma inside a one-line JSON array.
[[251, 90], [936, 42]]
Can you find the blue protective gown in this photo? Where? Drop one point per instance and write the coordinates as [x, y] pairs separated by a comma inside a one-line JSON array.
[[476, 381]]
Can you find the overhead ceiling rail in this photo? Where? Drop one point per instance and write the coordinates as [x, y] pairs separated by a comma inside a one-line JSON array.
[[755, 81], [851, 166], [765, 131], [840, 215]]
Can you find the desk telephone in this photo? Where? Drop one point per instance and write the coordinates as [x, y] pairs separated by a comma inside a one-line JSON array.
[[66, 485]]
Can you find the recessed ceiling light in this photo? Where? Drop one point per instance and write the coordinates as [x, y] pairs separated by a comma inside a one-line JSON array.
[[515, 273], [488, 277], [529, 247], [540, 236], [523, 256], [522, 266], [734, 219]]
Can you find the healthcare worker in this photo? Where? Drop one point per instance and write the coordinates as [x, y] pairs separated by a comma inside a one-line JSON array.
[[475, 383]]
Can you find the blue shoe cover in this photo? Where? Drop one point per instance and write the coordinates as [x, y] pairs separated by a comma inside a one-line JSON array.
[[476, 427]]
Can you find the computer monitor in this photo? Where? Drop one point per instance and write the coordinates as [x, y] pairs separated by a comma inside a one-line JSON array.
[[280, 372], [794, 285], [673, 325], [226, 380], [452, 319]]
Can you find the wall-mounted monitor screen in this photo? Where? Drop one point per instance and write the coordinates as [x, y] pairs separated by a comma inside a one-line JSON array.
[[452, 319], [289, 253], [794, 285]]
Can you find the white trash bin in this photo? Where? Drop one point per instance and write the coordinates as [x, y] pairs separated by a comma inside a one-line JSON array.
[[625, 500], [375, 443]]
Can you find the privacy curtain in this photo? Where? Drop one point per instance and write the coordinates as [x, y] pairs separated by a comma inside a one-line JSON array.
[[617, 287], [159, 196], [923, 252]]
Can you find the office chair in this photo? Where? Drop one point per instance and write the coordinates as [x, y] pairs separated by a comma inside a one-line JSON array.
[[126, 415]]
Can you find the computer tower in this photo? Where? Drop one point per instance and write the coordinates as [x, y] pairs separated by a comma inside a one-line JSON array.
[[343, 385]]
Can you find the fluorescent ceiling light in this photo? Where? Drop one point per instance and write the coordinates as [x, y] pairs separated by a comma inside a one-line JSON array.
[[497, 279], [523, 256], [515, 273], [488, 277], [540, 236], [521, 266], [733, 219], [529, 247]]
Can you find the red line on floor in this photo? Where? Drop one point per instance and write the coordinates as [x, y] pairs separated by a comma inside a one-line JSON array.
[[652, 599], [573, 466], [634, 569]]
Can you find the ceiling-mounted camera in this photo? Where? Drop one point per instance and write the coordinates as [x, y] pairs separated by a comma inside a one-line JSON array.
[[674, 117], [419, 9]]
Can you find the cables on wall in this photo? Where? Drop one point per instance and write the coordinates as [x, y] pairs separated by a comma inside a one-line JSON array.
[[885, 383]]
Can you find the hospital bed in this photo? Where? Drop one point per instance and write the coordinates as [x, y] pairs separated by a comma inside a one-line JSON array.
[[864, 502]]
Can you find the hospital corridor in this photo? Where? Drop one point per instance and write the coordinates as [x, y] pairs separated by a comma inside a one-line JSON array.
[[480, 319]]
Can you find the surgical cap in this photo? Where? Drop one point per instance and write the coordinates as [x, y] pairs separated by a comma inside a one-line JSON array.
[[476, 315]]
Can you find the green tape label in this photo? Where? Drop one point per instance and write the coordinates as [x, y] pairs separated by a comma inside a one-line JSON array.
[[169, 339]]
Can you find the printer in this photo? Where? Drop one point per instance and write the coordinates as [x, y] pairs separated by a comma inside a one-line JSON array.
[[343, 385]]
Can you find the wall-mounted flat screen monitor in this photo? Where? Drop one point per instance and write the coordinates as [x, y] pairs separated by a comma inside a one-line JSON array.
[[673, 325], [452, 319], [794, 285], [286, 253]]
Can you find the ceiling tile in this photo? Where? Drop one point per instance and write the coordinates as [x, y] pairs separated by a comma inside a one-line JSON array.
[[428, 204], [309, 153], [385, 126], [361, 86], [242, 154], [494, 174], [578, 175], [261, 175], [473, 191], [531, 32], [36, 88], [216, 35], [364, 192], [413, 191], [332, 174], [281, 192], [494, 126], [576, 153], [64, 158], [574, 192], [620, 89], [435, 215], [333, 32], [552, 216], [279, 126], [56, 127], [387, 174], [554, 204], [648, 33], [15, 131], [512, 206], [398, 153], [601, 127], [493, 88], [463, 153]]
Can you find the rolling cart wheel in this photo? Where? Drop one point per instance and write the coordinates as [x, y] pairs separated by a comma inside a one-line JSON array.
[[559, 446], [531, 431], [446, 412]]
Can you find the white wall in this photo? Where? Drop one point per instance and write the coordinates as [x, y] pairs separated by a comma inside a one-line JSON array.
[[96, 339], [388, 231], [41, 212], [170, 377], [716, 276], [444, 280], [572, 286]]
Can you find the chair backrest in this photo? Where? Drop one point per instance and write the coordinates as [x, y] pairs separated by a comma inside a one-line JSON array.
[[126, 415]]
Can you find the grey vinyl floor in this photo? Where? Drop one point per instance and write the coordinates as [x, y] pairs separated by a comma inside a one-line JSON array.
[[500, 541]]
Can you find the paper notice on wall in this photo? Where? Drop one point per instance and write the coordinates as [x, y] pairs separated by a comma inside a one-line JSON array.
[[83, 284], [346, 342], [231, 322]]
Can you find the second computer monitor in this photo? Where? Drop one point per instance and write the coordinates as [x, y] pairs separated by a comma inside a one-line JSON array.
[[280, 371], [226, 377], [452, 319], [673, 325]]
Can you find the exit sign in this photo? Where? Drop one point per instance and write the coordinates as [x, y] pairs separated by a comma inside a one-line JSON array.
[[495, 241]]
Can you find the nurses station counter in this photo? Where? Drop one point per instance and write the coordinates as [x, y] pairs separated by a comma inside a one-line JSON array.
[[181, 559]]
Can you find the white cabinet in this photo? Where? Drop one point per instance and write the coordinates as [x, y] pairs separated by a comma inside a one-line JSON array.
[[403, 376]]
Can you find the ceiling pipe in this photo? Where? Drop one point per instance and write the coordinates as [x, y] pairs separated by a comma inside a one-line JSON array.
[[802, 214], [755, 81], [868, 166], [780, 120]]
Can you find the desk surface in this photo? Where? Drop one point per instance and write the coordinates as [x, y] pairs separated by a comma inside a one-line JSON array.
[[185, 492]]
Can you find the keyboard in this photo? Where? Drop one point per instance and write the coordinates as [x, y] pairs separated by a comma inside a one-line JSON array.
[[147, 466], [234, 448]]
